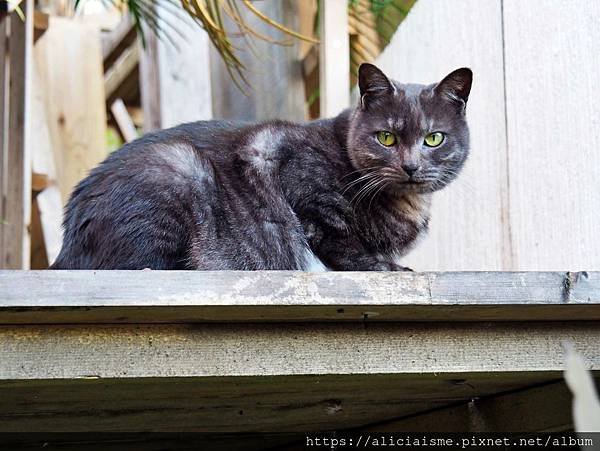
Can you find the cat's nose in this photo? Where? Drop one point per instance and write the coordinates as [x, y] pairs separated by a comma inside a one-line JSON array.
[[410, 167]]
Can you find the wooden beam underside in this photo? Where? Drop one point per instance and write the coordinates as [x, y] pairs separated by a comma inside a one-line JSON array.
[[294, 378], [186, 297], [545, 408]]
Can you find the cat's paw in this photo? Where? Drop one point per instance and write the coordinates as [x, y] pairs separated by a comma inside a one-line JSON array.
[[390, 266]]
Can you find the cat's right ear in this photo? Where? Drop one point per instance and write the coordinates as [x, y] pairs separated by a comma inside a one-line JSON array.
[[372, 84]]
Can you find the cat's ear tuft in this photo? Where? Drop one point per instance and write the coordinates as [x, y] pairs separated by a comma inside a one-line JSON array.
[[457, 85], [372, 83]]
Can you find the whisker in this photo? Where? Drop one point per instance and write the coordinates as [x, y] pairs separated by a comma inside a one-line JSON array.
[[360, 170], [379, 190], [360, 179], [363, 193]]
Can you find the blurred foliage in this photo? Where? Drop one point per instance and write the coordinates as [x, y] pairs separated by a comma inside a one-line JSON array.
[[372, 24]]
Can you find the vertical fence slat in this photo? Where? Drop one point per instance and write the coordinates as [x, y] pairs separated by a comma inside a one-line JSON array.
[[175, 73], [150, 82], [334, 57], [75, 97], [18, 170], [468, 230], [553, 126], [3, 128]]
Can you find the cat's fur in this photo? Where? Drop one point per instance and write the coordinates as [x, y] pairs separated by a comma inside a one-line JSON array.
[[224, 195]]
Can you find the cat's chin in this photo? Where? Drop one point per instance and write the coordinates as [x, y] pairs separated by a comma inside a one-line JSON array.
[[413, 188]]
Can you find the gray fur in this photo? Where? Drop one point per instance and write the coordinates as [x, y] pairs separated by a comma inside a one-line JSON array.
[[227, 195]]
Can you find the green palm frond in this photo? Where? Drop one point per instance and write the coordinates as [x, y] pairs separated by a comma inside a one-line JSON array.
[[372, 24]]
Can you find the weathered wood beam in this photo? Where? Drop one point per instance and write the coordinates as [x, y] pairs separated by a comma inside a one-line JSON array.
[[546, 408], [3, 124], [292, 377], [190, 296], [123, 120], [14, 226], [175, 82], [121, 69], [115, 41], [334, 54]]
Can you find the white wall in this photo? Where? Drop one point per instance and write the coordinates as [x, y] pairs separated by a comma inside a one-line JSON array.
[[529, 197]]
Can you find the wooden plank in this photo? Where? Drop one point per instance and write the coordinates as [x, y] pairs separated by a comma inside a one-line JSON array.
[[274, 73], [223, 350], [540, 409], [185, 87], [50, 209], [123, 120], [42, 152], [175, 74], [187, 296], [468, 225], [334, 58], [38, 257], [232, 404], [41, 22], [298, 377], [150, 83], [39, 182], [115, 41], [554, 187], [121, 69], [75, 99], [17, 213], [3, 122]]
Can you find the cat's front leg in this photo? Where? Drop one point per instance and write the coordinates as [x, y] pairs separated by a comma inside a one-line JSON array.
[[347, 253]]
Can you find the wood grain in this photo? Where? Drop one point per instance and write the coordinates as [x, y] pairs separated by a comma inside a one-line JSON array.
[[467, 225], [539, 409], [123, 120], [150, 83], [175, 73], [236, 404], [274, 73], [17, 208], [297, 377], [3, 124], [334, 58], [50, 207], [174, 296], [184, 67], [553, 129], [75, 97], [120, 70]]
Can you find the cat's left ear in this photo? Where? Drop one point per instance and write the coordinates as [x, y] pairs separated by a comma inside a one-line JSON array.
[[456, 86], [372, 83]]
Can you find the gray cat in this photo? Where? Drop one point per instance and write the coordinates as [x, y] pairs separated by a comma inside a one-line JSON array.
[[348, 193]]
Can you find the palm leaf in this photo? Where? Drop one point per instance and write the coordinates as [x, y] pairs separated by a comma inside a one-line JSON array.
[[372, 24]]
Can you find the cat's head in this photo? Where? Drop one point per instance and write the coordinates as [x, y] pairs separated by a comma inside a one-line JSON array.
[[414, 136]]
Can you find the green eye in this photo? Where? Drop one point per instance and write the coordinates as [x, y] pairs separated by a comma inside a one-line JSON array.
[[386, 138], [434, 139]]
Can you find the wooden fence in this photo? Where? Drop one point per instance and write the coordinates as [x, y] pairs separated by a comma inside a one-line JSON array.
[[529, 196], [16, 43]]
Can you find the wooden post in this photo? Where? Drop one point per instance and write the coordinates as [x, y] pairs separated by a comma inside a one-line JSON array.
[[334, 63], [74, 97], [3, 124], [175, 74], [123, 120], [17, 202]]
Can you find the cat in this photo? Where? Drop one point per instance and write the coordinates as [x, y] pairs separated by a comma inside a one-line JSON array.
[[347, 193]]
